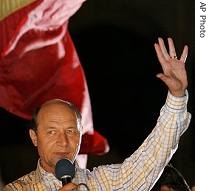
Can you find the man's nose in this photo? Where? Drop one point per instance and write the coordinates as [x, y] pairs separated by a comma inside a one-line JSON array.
[[62, 139]]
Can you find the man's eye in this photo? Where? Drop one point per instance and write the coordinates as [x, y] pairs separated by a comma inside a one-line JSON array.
[[71, 131], [51, 132]]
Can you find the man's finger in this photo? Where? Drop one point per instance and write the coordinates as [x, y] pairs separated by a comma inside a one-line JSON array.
[[163, 48], [172, 50], [184, 54]]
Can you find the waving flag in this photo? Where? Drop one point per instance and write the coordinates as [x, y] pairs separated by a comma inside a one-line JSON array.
[[38, 62]]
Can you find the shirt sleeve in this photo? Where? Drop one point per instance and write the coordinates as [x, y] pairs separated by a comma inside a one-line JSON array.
[[141, 170]]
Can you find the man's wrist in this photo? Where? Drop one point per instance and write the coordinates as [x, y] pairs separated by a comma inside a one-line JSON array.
[[177, 102], [178, 93]]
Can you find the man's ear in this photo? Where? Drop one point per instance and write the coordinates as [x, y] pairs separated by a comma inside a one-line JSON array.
[[33, 136]]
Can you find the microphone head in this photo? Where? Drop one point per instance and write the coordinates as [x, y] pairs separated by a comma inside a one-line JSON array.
[[64, 168]]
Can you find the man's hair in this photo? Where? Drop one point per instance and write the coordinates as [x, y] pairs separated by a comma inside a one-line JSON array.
[[172, 178], [33, 122]]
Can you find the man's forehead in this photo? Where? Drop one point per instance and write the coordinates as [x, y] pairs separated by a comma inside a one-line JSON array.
[[52, 105]]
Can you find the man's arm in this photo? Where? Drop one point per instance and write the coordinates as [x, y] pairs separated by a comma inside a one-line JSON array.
[[143, 167]]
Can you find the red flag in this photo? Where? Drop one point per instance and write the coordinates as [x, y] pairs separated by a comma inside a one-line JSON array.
[[39, 62]]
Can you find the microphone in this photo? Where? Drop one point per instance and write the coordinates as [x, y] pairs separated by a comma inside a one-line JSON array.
[[64, 171]]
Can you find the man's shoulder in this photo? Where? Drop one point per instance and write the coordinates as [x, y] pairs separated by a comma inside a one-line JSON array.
[[22, 182]]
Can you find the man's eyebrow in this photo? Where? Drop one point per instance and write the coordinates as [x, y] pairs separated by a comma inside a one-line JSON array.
[[72, 127], [50, 127]]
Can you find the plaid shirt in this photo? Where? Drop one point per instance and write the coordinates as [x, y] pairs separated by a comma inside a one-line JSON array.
[[138, 172]]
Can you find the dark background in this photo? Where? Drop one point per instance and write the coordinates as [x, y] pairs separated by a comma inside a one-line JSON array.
[[114, 40]]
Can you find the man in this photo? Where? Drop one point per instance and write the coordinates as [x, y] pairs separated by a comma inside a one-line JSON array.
[[57, 135], [171, 180]]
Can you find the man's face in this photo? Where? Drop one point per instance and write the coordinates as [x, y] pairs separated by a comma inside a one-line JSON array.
[[166, 188], [57, 135]]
